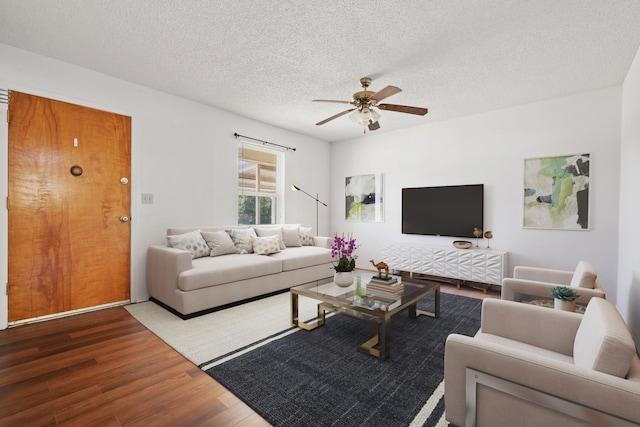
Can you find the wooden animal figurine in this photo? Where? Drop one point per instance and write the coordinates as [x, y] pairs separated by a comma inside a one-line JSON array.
[[381, 266]]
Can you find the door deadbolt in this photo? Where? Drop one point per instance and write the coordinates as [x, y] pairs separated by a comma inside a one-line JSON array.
[[124, 218]]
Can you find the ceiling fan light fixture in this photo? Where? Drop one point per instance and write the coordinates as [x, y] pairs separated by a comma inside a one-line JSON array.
[[374, 116], [355, 117], [364, 116], [365, 113]]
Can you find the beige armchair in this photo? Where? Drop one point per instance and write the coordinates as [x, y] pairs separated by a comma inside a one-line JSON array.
[[531, 366], [531, 283]]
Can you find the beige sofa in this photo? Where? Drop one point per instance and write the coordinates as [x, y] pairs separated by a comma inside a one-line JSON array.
[[190, 275], [535, 366]]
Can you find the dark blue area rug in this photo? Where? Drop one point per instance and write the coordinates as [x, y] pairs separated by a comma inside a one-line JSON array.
[[319, 378]]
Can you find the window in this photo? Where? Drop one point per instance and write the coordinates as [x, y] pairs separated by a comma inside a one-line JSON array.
[[258, 184]]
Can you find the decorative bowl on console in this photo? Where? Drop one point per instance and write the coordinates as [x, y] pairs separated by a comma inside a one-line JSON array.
[[462, 244]]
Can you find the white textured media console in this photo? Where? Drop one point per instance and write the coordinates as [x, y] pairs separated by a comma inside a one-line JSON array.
[[488, 266]]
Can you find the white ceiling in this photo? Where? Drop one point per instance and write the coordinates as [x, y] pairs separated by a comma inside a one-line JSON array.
[[267, 60]]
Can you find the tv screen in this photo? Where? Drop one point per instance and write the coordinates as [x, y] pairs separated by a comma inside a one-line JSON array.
[[443, 211]]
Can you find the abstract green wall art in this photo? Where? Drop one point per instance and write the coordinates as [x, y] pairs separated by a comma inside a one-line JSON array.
[[364, 198], [556, 192]]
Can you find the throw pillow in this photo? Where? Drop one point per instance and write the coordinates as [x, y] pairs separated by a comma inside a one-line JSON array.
[[242, 239], [305, 236], [271, 231], [291, 236], [266, 245], [219, 242], [192, 242]]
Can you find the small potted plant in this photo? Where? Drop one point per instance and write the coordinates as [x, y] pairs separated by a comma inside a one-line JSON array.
[[564, 298], [342, 251]]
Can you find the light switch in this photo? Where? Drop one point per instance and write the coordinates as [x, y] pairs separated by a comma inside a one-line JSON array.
[[147, 198]]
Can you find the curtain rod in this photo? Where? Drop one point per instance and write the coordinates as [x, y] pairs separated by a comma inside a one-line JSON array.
[[264, 142]]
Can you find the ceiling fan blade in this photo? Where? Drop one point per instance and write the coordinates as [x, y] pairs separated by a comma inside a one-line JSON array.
[[385, 93], [334, 117], [332, 100], [374, 126], [403, 109]]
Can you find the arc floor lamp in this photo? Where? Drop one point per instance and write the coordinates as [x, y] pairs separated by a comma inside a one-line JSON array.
[[296, 188]]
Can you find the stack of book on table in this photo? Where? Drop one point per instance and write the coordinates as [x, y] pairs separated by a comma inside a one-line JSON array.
[[391, 286]]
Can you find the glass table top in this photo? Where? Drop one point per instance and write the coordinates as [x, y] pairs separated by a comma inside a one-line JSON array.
[[360, 294]]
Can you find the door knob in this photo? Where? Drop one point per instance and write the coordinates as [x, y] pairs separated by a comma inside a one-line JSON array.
[[124, 218]]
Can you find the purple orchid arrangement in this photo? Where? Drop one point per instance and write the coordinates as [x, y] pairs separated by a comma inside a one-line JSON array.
[[342, 250]]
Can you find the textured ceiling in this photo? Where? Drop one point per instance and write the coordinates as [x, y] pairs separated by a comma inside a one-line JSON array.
[[267, 60]]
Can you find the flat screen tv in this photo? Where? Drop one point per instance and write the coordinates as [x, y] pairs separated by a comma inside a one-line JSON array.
[[443, 211]]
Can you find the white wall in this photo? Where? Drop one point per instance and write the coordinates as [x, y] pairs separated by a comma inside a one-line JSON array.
[[182, 152], [490, 148], [629, 251]]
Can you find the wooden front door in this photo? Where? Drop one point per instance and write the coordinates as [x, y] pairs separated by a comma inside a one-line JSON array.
[[68, 207]]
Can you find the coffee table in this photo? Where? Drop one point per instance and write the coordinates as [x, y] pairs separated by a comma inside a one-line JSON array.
[[336, 299]]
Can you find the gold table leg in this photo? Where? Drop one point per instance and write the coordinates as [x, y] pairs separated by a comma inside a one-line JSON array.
[[414, 312], [376, 337], [295, 320]]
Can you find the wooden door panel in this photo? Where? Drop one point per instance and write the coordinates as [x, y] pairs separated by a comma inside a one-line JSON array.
[[67, 247], [100, 241], [35, 211]]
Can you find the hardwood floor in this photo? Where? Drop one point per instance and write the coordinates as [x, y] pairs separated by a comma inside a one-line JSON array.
[[104, 368]]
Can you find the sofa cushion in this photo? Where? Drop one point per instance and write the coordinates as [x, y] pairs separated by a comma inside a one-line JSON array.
[[214, 271], [303, 256], [266, 245], [192, 242], [603, 341], [585, 276], [219, 242], [306, 239], [291, 236], [242, 239], [271, 231]]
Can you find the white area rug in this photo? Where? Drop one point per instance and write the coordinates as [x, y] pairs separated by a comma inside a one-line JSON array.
[[212, 335]]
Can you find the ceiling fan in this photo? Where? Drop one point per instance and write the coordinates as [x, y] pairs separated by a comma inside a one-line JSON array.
[[364, 102]]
